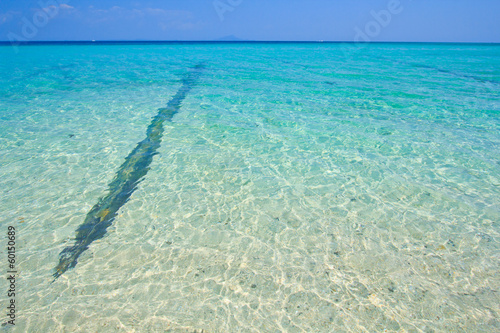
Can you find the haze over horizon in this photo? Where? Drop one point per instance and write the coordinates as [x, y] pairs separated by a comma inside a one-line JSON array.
[[258, 20]]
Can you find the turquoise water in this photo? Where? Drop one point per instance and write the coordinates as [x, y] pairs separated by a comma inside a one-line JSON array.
[[298, 188]]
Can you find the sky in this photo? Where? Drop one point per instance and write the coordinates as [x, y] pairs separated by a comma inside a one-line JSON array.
[[264, 20]]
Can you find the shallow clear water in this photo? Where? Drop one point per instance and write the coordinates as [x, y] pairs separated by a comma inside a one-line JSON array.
[[300, 187]]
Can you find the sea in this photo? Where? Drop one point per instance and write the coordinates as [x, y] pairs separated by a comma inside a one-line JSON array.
[[250, 187]]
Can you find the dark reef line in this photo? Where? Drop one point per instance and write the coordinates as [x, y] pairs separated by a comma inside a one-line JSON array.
[[129, 175]]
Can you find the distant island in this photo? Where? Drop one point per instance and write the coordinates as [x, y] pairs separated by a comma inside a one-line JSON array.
[[230, 38]]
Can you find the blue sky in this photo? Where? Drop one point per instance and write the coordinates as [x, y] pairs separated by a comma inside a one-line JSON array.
[[329, 20]]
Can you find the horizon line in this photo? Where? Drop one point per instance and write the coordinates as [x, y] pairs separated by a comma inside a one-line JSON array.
[[125, 41]]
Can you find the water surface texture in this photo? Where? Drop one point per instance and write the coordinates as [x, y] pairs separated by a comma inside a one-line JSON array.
[[297, 187]]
